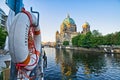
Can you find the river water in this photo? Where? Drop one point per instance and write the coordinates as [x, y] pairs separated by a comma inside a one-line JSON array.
[[79, 65]]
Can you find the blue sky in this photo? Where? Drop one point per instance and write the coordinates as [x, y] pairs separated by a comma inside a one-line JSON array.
[[102, 15]]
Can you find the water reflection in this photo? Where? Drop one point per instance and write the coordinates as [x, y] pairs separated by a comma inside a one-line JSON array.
[[67, 65], [81, 65], [78, 65]]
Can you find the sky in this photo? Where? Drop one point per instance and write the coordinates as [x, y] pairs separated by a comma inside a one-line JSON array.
[[102, 15]]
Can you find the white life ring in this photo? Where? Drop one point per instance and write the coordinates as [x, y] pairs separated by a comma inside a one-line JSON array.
[[18, 41]]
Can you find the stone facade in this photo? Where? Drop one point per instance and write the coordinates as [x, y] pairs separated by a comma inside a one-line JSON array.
[[68, 30]]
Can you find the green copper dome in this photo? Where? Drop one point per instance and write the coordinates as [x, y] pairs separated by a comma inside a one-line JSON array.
[[68, 20]]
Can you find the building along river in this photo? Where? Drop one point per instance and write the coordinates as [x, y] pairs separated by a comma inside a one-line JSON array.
[[79, 65]]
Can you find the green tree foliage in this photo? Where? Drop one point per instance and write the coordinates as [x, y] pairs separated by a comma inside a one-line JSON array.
[[116, 38], [85, 40], [3, 35], [108, 39], [95, 38], [81, 40], [75, 40], [66, 43], [96, 33], [88, 40]]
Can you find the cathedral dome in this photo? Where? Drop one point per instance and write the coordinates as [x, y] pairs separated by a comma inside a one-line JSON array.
[[63, 27], [86, 25], [68, 25], [68, 21]]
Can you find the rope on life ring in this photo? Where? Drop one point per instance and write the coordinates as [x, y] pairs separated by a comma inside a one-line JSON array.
[[31, 47]]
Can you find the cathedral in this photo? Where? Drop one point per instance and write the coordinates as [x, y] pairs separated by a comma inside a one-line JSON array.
[[68, 30]]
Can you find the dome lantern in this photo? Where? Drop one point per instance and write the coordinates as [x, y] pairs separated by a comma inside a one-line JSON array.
[[68, 16]]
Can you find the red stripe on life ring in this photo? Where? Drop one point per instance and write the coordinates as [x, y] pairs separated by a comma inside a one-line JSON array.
[[37, 53], [37, 32], [28, 14]]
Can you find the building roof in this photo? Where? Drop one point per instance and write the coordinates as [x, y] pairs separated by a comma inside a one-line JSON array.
[[68, 20]]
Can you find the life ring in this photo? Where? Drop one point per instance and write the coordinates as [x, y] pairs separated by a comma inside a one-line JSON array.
[[24, 40]]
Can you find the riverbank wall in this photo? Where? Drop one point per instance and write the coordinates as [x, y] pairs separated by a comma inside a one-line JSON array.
[[117, 50], [101, 50]]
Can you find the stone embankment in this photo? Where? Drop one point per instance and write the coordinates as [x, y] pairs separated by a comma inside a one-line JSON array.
[[115, 50], [85, 49]]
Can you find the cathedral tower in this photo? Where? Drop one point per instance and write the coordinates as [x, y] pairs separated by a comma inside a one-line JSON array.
[[86, 28]]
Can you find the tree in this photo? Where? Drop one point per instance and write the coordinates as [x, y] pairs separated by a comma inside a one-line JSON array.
[[85, 40], [95, 39], [66, 43], [81, 40], [75, 40], [108, 39], [116, 38], [96, 33], [3, 35]]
